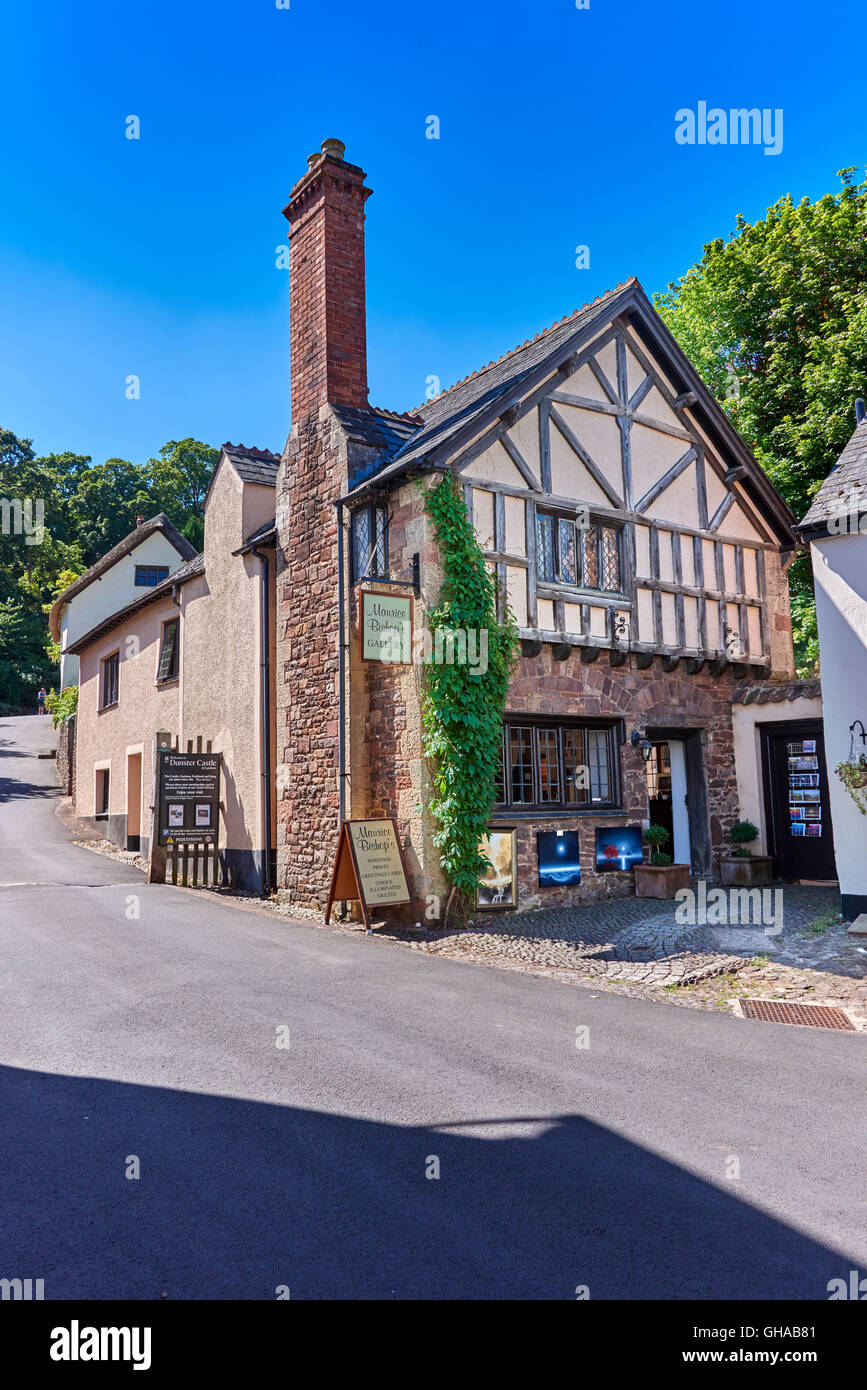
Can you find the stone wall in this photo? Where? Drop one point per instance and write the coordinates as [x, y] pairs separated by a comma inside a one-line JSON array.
[[643, 699], [66, 758]]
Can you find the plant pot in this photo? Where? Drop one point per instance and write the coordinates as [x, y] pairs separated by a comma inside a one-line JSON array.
[[660, 880], [739, 872]]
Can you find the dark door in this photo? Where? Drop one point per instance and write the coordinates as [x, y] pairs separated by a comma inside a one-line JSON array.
[[796, 800]]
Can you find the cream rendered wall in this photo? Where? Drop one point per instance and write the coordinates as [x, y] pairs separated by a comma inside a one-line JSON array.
[[143, 707], [747, 721], [840, 580], [221, 670], [108, 594]]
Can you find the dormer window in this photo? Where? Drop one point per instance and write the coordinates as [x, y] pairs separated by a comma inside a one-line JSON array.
[[584, 557], [369, 542], [146, 576]]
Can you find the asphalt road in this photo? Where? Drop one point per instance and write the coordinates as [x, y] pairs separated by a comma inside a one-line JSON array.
[[143, 1023]]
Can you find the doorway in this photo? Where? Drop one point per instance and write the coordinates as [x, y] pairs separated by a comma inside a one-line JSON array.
[[133, 801], [668, 797], [797, 806]]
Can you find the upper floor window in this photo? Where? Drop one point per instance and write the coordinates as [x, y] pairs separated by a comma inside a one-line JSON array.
[[168, 667], [587, 557], [148, 575], [369, 543], [552, 765], [110, 680]]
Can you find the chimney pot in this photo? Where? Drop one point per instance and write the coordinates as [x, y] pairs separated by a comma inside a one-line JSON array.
[[313, 159], [860, 411], [139, 521], [327, 335]]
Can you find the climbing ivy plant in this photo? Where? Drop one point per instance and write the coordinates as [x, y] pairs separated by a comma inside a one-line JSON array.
[[462, 712]]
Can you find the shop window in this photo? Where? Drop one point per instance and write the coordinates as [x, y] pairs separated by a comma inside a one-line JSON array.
[[548, 765], [369, 543], [110, 680], [148, 575], [168, 667], [585, 557]]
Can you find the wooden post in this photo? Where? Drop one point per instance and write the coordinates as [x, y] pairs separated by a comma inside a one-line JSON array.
[[157, 855]]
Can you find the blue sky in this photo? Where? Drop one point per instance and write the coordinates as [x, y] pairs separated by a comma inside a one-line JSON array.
[[156, 257]]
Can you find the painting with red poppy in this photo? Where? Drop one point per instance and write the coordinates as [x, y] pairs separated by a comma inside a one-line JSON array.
[[618, 848]]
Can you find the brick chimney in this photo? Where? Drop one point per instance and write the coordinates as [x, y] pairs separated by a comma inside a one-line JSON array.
[[327, 334]]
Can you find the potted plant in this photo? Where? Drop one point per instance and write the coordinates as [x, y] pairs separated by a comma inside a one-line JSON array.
[[853, 775], [659, 877], [739, 867]]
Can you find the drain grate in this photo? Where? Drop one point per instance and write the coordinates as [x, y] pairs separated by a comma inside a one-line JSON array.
[[810, 1015]]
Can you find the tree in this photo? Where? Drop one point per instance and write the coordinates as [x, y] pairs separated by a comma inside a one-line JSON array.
[[61, 514], [105, 504], [178, 479], [775, 321]]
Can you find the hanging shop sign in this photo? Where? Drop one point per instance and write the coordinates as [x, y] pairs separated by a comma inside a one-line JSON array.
[[369, 867], [385, 626], [189, 797]]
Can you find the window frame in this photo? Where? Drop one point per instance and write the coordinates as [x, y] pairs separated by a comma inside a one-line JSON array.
[[370, 509], [597, 525], [103, 671], [102, 792], [161, 572], [540, 723], [174, 676]]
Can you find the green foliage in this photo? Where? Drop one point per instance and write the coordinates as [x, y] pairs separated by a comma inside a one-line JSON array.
[[86, 509], [775, 321], [462, 712], [853, 775], [656, 836], [62, 706], [743, 832]]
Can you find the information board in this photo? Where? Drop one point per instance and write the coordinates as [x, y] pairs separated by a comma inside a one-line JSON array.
[[189, 798]]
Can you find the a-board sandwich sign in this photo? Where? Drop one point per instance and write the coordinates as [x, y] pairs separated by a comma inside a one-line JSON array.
[[369, 867]]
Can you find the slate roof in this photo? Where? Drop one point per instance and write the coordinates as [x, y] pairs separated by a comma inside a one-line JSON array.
[[845, 484], [440, 420], [264, 533], [253, 465], [160, 522], [385, 430], [776, 692], [191, 570]]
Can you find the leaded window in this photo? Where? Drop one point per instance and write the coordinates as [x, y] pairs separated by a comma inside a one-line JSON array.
[[168, 667], [586, 557], [369, 543]]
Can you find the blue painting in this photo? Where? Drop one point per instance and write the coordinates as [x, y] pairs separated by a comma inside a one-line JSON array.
[[559, 857], [618, 848]]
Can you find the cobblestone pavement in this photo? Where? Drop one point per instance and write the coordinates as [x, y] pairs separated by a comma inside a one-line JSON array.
[[635, 945]]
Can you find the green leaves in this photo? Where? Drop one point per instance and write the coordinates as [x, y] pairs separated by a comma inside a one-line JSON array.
[[775, 320], [85, 509], [462, 712]]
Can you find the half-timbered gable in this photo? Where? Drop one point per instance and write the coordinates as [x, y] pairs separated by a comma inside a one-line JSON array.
[[618, 505]]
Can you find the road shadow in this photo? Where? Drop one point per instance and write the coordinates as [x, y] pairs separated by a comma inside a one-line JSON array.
[[238, 1197]]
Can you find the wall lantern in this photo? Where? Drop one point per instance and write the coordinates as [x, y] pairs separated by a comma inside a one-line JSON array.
[[641, 741]]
